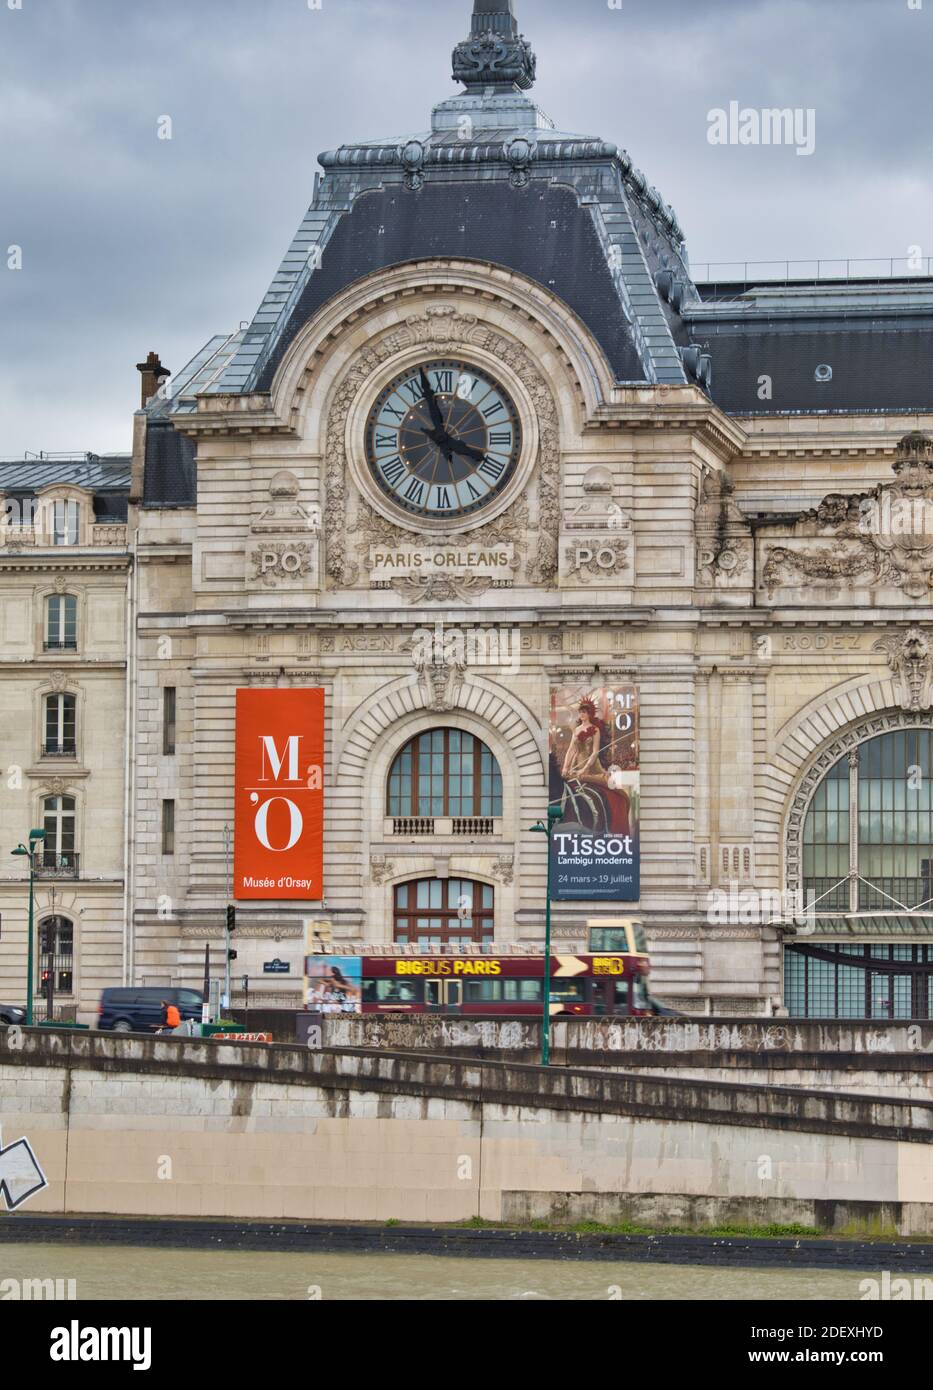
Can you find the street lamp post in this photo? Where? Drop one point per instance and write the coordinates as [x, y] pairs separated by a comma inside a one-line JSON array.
[[547, 828], [35, 839]]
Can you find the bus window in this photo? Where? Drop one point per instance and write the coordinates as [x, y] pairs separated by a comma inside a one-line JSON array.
[[526, 991], [620, 1004], [641, 940], [608, 939], [482, 991], [573, 991], [392, 991]]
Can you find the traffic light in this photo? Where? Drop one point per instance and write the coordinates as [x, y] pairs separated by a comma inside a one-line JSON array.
[[231, 927], [48, 989]]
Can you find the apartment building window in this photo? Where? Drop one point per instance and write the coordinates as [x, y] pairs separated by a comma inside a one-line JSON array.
[[168, 719], [58, 848], [66, 522], [60, 718], [168, 827], [61, 623]]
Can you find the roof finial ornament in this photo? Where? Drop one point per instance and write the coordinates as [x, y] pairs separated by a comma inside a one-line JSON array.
[[495, 55]]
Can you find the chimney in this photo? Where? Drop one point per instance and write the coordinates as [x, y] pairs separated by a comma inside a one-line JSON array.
[[153, 374]]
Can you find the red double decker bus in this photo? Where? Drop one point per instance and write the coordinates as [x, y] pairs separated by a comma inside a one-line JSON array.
[[613, 981]]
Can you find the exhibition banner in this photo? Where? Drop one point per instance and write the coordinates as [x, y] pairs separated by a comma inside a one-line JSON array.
[[279, 794], [594, 782]]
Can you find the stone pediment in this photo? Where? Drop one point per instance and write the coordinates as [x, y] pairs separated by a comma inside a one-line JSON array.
[[882, 539]]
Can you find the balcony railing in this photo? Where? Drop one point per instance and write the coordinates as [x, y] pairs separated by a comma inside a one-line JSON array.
[[67, 749], [459, 826], [61, 644], [413, 825], [473, 825], [51, 865]]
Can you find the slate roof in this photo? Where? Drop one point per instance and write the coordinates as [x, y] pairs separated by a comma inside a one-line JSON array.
[[875, 339], [492, 180], [107, 477]]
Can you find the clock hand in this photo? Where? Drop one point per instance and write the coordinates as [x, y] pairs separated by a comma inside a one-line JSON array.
[[431, 399], [467, 450]]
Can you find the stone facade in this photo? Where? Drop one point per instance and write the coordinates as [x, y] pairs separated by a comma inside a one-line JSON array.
[[716, 560]]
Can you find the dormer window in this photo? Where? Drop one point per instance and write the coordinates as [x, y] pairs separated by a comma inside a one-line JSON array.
[[66, 523]]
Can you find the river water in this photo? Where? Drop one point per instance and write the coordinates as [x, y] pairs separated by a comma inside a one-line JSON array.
[[124, 1272]]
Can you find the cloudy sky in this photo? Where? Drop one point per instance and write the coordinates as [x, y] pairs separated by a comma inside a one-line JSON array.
[[130, 242]]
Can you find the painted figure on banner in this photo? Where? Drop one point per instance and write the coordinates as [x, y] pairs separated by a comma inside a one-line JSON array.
[[594, 780]]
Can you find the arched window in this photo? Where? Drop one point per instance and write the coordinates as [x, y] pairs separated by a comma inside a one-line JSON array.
[[888, 786], [56, 953], [58, 849], [60, 715], [872, 812], [61, 623], [434, 911], [445, 772]]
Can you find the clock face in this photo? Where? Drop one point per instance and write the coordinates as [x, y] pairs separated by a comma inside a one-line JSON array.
[[443, 439]]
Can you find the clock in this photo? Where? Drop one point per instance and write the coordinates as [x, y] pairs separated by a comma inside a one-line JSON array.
[[443, 439]]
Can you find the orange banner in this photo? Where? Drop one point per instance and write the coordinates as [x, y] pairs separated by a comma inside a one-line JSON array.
[[279, 795]]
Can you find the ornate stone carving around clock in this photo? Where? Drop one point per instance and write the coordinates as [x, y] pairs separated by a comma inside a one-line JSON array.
[[530, 521]]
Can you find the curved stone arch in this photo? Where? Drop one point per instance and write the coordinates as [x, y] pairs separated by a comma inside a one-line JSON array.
[[378, 303], [376, 730], [799, 742], [845, 739]]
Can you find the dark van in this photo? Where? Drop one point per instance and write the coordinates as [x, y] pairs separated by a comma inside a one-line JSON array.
[[140, 1010]]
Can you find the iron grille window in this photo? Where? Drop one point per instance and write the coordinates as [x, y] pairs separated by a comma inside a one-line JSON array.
[[56, 952], [445, 772], [435, 911]]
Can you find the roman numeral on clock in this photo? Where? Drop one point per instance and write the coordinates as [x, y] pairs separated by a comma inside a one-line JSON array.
[[501, 437], [444, 381], [491, 468], [390, 410], [414, 390], [443, 498], [386, 441], [392, 470], [492, 410], [414, 492]]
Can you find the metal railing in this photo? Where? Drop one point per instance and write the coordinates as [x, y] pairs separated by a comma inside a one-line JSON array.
[[51, 865], [67, 749], [848, 271]]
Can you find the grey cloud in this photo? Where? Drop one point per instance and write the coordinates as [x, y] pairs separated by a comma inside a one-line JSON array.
[[132, 243]]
